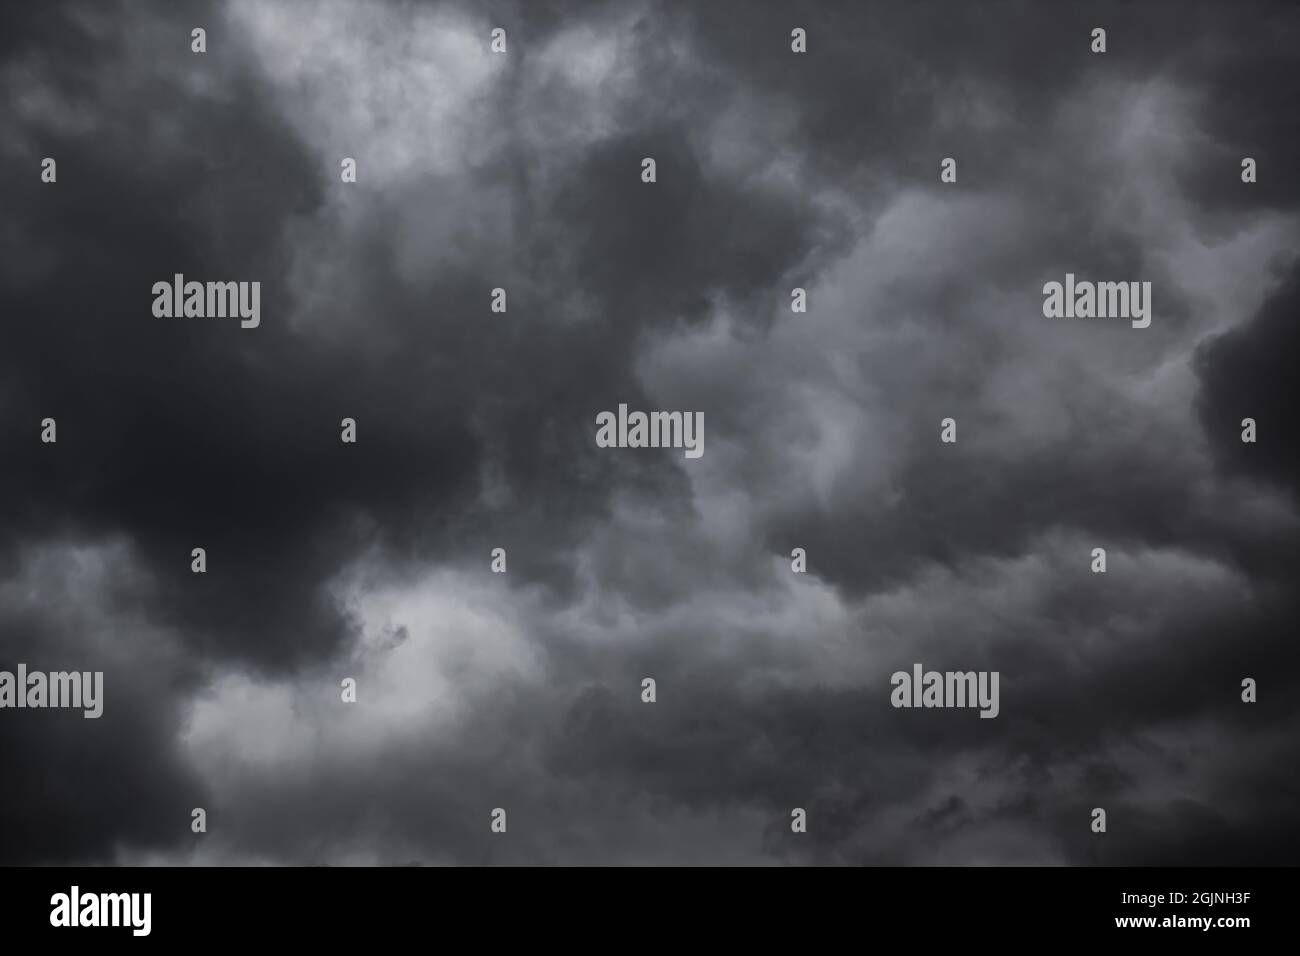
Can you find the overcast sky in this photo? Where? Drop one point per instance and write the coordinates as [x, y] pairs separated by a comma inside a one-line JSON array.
[[476, 431]]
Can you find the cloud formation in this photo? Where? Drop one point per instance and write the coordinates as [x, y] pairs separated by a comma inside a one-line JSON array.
[[476, 430]]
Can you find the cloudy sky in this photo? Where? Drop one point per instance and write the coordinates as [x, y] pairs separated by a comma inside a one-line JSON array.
[[477, 431]]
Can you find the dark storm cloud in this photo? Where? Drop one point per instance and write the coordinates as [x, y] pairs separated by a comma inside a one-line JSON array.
[[475, 430], [890, 86], [77, 788], [191, 436], [1249, 373], [176, 436]]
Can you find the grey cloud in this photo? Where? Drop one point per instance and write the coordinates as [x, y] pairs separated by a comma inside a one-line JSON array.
[[476, 431]]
